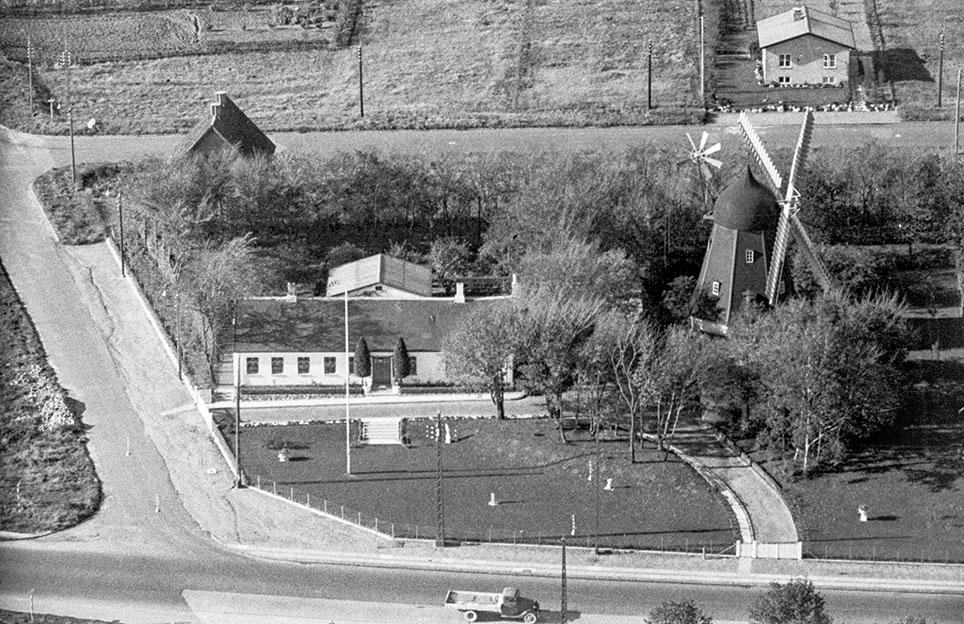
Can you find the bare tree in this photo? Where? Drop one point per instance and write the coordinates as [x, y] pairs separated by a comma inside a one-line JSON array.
[[554, 328]]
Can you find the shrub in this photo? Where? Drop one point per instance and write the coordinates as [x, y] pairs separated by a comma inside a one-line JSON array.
[[683, 612], [796, 602], [346, 21]]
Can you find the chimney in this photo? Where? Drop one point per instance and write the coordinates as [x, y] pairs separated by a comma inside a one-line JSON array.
[[515, 286], [292, 294], [459, 292], [797, 13]]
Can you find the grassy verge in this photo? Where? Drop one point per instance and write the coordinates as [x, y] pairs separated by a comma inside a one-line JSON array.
[[78, 212], [910, 481], [47, 479], [539, 482], [427, 64], [17, 617]]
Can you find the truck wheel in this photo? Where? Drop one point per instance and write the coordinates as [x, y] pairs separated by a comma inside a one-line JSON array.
[[470, 616], [530, 617]]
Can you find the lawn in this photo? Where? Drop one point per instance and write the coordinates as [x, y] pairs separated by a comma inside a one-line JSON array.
[[912, 483], [539, 482], [47, 479], [432, 63]]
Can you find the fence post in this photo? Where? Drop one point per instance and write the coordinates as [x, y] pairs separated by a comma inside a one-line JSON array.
[[308, 499], [274, 487], [376, 524], [259, 482], [324, 505], [292, 496], [342, 512]]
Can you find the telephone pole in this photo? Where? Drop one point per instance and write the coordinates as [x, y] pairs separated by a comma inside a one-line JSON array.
[[361, 88], [940, 72], [439, 515], [649, 75]]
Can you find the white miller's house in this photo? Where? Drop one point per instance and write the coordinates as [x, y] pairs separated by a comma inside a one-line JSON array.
[[300, 341]]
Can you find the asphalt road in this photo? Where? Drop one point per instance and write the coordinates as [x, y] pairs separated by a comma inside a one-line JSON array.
[[140, 561], [152, 586], [433, 143]]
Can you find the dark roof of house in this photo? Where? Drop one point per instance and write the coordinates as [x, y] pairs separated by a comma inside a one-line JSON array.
[[318, 324], [228, 126], [801, 21], [746, 204]]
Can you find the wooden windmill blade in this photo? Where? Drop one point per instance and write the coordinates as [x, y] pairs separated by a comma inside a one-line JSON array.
[[810, 253], [800, 154], [788, 211], [760, 152]]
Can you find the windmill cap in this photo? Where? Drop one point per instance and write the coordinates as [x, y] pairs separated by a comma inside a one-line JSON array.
[[746, 204]]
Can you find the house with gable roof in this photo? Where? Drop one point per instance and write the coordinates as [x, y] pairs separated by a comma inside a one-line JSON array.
[[300, 341], [227, 127], [804, 46]]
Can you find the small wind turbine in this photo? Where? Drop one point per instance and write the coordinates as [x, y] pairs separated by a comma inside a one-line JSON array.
[[700, 156]]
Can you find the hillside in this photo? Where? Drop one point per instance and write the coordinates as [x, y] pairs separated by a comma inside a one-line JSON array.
[[427, 63]]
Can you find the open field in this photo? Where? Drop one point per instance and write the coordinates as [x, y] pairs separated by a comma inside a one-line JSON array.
[[911, 482], [911, 33], [540, 483], [426, 64], [47, 479]]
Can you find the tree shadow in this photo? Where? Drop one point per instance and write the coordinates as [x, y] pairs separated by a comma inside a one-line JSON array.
[[902, 64]]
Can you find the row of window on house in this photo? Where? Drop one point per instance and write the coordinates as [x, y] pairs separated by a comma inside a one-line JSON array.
[[252, 365], [786, 62]]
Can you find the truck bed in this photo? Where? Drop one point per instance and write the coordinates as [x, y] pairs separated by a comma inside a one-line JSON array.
[[474, 600]]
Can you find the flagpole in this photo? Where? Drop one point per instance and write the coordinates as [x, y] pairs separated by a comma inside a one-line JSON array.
[[347, 373]]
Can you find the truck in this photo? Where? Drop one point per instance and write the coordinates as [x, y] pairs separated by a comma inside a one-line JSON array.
[[508, 604]]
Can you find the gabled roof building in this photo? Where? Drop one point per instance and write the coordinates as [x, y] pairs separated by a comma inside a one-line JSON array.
[[804, 46], [380, 275], [228, 127]]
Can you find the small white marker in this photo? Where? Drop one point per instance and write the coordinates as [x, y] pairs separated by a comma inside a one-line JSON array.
[[492, 501]]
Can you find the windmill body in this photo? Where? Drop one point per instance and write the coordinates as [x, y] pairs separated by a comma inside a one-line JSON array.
[[751, 231], [739, 255]]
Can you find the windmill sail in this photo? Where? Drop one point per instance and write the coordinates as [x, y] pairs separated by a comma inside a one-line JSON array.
[[760, 152], [810, 253], [788, 211]]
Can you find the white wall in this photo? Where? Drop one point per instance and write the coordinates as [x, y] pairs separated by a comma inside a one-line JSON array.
[[429, 366]]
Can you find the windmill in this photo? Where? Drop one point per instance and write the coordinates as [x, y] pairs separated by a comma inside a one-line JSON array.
[[751, 229], [789, 207]]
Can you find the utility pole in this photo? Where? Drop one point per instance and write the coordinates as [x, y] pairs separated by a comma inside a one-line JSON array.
[[564, 605], [73, 158], [957, 118], [361, 89], [439, 515], [596, 483], [239, 481], [649, 75], [940, 72], [120, 221], [30, 74], [347, 408], [702, 64]]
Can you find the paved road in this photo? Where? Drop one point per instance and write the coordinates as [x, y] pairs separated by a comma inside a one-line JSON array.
[[773, 128], [143, 555]]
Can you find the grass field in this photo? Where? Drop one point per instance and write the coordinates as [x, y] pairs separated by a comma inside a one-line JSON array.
[[911, 33], [911, 482], [540, 483], [17, 617], [428, 63], [47, 479]]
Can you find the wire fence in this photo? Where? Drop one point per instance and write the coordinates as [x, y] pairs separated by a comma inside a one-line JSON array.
[[494, 535]]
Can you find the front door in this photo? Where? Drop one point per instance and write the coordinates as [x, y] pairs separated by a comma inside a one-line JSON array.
[[381, 372]]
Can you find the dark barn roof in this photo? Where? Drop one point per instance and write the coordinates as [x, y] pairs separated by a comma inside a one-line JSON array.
[[228, 127], [746, 204], [318, 325]]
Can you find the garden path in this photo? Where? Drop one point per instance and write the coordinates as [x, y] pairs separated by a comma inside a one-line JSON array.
[[770, 517]]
